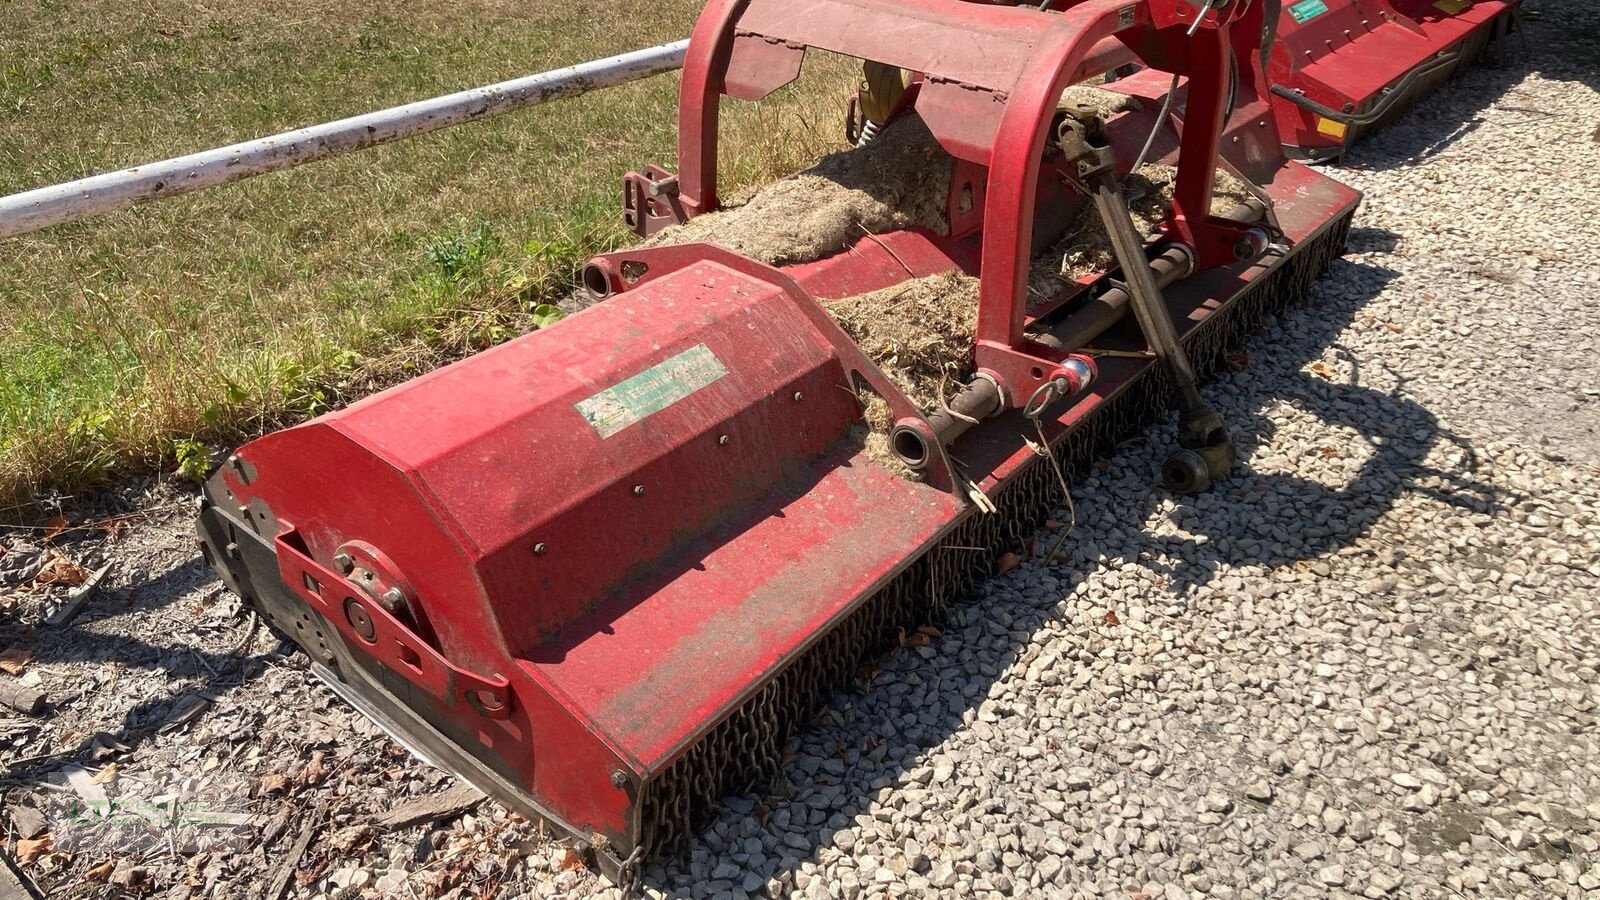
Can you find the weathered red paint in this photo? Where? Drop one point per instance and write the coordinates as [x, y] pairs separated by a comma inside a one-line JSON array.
[[617, 591], [1349, 57]]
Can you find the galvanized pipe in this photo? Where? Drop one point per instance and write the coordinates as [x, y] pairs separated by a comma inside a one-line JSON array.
[[74, 200]]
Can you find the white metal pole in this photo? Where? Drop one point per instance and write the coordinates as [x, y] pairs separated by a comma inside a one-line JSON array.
[[53, 205]]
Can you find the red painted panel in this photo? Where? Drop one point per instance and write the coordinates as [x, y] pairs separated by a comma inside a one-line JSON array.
[[659, 664]]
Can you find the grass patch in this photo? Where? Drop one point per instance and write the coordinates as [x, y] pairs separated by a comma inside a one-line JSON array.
[[127, 339]]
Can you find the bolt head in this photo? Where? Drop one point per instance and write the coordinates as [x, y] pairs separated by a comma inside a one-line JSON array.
[[344, 563], [798, 396], [618, 778], [638, 490], [722, 440], [540, 549]]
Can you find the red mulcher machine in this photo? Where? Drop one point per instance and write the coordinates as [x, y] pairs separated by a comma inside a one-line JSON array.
[[605, 570], [1341, 67]]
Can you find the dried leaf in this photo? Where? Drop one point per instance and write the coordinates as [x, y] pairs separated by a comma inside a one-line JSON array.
[[1238, 362], [112, 528], [315, 769], [1007, 562], [1102, 465], [1054, 524], [106, 775], [54, 526], [930, 631], [1394, 328], [30, 850], [1321, 370], [14, 660], [275, 783], [348, 839], [101, 872], [62, 571], [1111, 618], [918, 640], [1328, 453], [570, 860]]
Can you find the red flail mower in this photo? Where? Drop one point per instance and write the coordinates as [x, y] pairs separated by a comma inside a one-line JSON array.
[[1341, 67], [604, 571]]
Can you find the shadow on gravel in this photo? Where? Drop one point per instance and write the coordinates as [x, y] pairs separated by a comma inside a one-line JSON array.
[[871, 740], [1323, 519], [206, 674]]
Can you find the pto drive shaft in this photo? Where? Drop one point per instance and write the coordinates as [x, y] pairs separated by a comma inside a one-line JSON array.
[[1205, 451]]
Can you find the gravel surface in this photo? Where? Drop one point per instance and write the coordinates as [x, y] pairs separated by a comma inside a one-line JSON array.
[[1363, 666], [1366, 665]]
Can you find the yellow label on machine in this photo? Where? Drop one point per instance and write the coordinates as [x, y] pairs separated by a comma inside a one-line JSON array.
[[1329, 127], [1451, 7]]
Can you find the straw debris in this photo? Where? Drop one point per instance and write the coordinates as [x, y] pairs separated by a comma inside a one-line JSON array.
[[873, 434], [919, 332], [1104, 103], [900, 180]]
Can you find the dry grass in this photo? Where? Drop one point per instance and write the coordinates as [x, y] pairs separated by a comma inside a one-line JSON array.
[[209, 316], [900, 180]]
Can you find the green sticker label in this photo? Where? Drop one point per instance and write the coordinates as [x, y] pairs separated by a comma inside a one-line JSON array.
[[1306, 10], [652, 390]]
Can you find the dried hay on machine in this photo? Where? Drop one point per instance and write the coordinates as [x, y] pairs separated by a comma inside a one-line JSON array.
[[899, 180], [920, 332]]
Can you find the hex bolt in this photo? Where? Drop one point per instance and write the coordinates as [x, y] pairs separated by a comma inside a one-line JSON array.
[[638, 490], [393, 600], [618, 778], [722, 440], [344, 563], [798, 396], [540, 549]]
